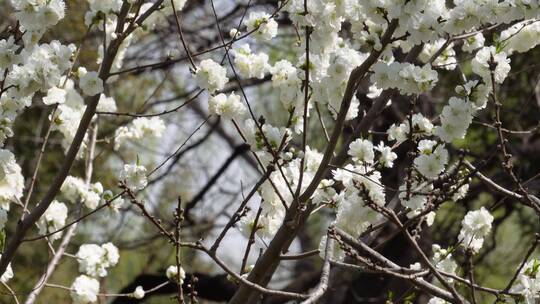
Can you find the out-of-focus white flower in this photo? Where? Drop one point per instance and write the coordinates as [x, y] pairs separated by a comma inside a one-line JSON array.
[[55, 96], [106, 104], [53, 219], [89, 82], [84, 290]]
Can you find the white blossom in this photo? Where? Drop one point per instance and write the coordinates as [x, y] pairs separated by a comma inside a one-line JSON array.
[[11, 179], [8, 52], [53, 219], [472, 43], [228, 107], [76, 190], [481, 64], [264, 26], [84, 290], [528, 282], [362, 151], [474, 227], [211, 76], [443, 260], [95, 259], [141, 130], [248, 64], [431, 163], [134, 176], [38, 15], [90, 82], [106, 104], [138, 293], [386, 157], [520, 37], [55, 95], [172, 274], [406, 77]]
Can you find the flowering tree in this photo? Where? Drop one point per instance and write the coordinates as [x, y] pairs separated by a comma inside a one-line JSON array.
[[358, 123]]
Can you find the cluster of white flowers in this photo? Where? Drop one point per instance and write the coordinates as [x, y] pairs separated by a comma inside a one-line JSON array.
[[94, 259], [274, 137], [32, 68], [134, 176], [357, 203], [55, 96], [387, 156], [75, 190], [446, 59], [330, 74], [455, 120], [528, 282], [11, 179], [474, 227], [36, 68], [250, 65], [39, 68], [36, 16], [274, 199], [84, 290], [285, 78], [69, 113], [473, 43], [363, 152], [211, 75], [520, 37], [406, 77], [53, 219], [228, 107], [141, 130], [457, 116], [264, 27], [172, 274], [432, 159], [421, 126]]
